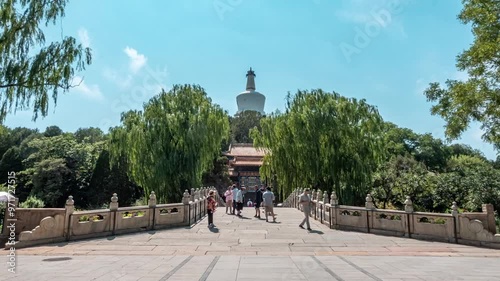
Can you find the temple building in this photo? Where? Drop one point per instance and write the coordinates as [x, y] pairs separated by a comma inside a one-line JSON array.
[[244, 163], [244, 159]]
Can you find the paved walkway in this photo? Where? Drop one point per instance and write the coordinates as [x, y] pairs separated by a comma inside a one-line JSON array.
[[251, 249]]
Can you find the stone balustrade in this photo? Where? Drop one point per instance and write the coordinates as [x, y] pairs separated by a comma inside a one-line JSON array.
[[35, 226], [465, 228]]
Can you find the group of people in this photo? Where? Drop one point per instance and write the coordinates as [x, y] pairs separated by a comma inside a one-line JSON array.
[[264, 197]]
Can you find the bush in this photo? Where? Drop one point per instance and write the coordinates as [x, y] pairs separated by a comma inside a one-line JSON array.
[[32, 202]]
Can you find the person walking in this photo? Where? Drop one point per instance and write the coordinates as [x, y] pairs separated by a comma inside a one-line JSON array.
[[229, 200], [234, 191], [211, 207], [305, 201], [238, 198], [268, 198], [258, 201]]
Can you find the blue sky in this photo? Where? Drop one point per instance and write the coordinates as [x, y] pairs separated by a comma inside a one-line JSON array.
[[141, 46]]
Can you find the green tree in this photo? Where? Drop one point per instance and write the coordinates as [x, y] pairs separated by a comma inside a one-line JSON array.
[[399, 141], [432, 152], [323, 140], [106, 180], [53, 182], [478, 98], [218, 176], [91, 135], [30, 70], [241, 124], [171, 143], [476, 182], [52, 131], [399, 177], [56, 167]]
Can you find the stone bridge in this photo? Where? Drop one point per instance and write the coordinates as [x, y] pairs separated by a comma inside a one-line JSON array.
[[249, 248]]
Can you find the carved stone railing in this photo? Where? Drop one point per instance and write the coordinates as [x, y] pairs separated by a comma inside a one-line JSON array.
[[465, 228], [35, 226]]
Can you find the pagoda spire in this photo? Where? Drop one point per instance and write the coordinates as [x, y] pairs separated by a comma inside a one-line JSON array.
[[250, 80]]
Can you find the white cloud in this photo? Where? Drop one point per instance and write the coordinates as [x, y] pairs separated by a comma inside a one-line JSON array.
[[89, 91], [137, 61], [83, 35]]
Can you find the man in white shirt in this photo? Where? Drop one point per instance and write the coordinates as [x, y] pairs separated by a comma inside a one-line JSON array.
[[305, 200], [239, 201], [268, 198]]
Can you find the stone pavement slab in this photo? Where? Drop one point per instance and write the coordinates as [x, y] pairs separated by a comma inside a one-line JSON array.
[[250, 249]]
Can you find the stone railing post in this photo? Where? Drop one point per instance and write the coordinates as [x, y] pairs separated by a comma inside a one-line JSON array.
[[197, 194], [192, 195], [325, 202], [369, 202], [70, 208], [334, 202], [408, 205], [490, 217], [369, 207], [152, 210], [334, 199], [113, 207], [186, 197], [409, 210], [456, 223]]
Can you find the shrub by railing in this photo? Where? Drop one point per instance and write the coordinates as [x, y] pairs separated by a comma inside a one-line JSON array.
[[35, 226], [465, 228]]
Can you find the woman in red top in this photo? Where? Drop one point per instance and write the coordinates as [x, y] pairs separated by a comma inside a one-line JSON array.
[[211, 206]]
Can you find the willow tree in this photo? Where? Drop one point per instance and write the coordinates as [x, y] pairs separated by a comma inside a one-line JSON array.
[[31, 71], [325, 141], [172, 142]]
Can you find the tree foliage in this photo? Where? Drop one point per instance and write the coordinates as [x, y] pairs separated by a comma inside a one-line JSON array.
[[325, 140], [478, 98], [171, 143], [30, 69], [242, 123]]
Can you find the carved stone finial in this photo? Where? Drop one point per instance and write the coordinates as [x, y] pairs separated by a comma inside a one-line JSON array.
[[186, 197], [325, 197], [369, 202], [319, 195], [408, 205], [454, 208], [70, 201], [152, 199], [334, 199], [113, 206]]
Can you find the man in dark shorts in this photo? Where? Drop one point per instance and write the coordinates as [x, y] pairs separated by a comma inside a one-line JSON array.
[[258, 201]]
